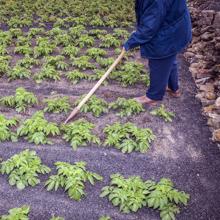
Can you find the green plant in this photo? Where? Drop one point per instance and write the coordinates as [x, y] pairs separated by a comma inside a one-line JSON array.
[[15, 32], [104, 62], [62, 39], [17, 214], [94, 105], [127, 107], [35, 31], [23, 41], [70, 51], [37, 129], [57, 105], [77, 31], [109, 40], [97, 33], [96, 21], [23, 169], [127, 137], [96, 52], [72, 177], [97, 75], [57, 62], [121, 33], [44, 47], [131, 73], [79, 133], [28, 62], [3, 50], [5, 38], [85, 40], [23, 49], [18, 72], [133, 193], [21, 100], [5, 125], [82, 62], [163, 113], [4, 64], [48, 72], [75, 76]]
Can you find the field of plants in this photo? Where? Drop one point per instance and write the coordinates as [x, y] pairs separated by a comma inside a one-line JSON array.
[[117, 160]]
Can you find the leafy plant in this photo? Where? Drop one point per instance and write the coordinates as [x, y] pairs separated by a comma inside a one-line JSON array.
[[37, 129], [127, 137], [104, 62], [17, 214], [48, 72], [75, 76], [85, 40], [28, 62], [23, 49], [79, 133], [44, 47], [23, 169], [62, 39], [127, 107], [133, 193], [72, 177], [35, 31], [5, 125], [4, 64], [97, 32], [163, 113], [21, 100], [3, 50], [94, 105], [96, 21], [70, 51], [77, 31], [109, 40], [15, 32], [131, 73], [96, 52], [57, 61], [57, 105], [121, 33], [82, 62], [18, 72]]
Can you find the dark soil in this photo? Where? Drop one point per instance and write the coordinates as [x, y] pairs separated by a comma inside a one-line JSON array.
[[182, 152]]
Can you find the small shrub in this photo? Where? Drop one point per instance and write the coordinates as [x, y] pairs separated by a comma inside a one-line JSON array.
[[37, 129], [17, 214], [85, 40], [28, 62], [127, 137], [20, 101], [127, 107], [5, 125], [57, 105], [94, 105], [79, 133], [105, 62], [163, 113], [72, 178], [23, 169]]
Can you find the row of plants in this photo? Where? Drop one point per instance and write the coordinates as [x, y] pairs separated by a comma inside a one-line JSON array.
[[24, 99], [125, 137], [129, 194]]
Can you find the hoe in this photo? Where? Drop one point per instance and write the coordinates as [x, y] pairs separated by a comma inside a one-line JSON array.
[[97, 85]]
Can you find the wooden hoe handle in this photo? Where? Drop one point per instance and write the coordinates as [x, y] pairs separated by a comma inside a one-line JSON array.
[[92, 91]]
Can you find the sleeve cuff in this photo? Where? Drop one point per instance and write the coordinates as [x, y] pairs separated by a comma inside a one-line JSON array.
[[126, 46]]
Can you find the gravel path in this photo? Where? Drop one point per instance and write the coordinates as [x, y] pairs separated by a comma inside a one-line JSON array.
[[182, 152]]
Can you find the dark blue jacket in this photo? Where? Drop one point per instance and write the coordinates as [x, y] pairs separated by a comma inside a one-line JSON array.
[[163, 28]]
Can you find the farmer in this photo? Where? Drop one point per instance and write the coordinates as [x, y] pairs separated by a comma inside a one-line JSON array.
[[163, 30]]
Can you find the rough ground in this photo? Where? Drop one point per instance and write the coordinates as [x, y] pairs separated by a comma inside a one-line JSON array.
[[183, 152]]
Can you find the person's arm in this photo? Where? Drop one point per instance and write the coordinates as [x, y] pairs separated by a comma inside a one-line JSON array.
[[150, 22]]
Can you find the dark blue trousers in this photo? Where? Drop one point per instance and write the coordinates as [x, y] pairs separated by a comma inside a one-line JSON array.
[[163, 73]]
